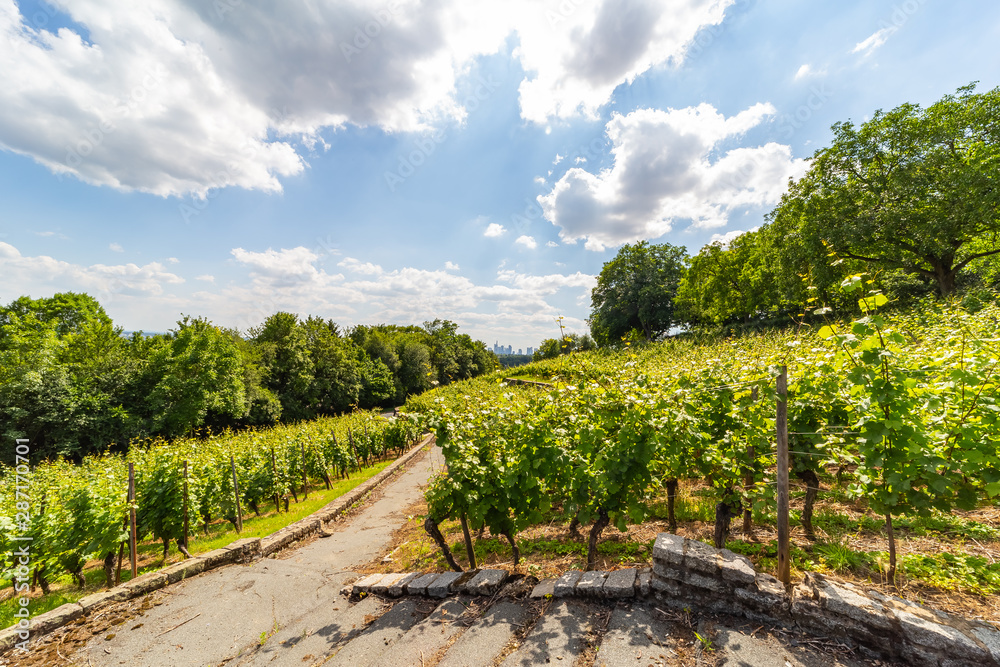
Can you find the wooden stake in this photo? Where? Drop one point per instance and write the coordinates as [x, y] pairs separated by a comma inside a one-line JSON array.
[[468, 543], [784, 563], [236, 494], [274, 480], [131, 519], [186, 546], [305, 480]]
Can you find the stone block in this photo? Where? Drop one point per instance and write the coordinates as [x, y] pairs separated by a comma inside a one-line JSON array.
[[442, 586], [700, 557], [9, 637], [184, 569], [218, 558], [666, 586], [643, 586], [97, 601], [566, 584], [58, 617], [591, 584], [844, 600], [381, 587], [769, 585], [398, 588], [620, 584], [668, 549], [708, 583], [145, 583], [544, 588], [735, 568], [419, 585], [248, 549], [486, 582], [946, 639], [990, 637], [666, 572], [365, 583]]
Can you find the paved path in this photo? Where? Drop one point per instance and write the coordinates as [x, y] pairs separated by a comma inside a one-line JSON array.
[[228, 612], [289, 611]]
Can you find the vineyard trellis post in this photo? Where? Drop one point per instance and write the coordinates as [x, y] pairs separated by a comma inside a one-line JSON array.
[[748, 479], [305, 479], [236, 495], [274, 478], [781, 424], [131, 519], [186, 546]]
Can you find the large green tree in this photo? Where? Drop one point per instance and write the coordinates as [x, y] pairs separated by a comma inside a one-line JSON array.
[[913, 189], [636, 290]]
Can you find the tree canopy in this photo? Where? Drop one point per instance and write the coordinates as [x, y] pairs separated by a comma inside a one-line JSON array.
[[635, 291]]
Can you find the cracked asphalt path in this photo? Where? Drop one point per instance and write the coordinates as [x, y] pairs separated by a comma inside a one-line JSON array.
[[226, 615]]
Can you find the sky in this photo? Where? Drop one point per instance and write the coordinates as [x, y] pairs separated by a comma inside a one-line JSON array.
[[404, 160]]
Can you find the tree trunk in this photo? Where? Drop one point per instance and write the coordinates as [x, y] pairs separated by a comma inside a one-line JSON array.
[[671, 495], [513, 546], [430, 525], [166, 547], [812, 490], [892, 550], [595, 534], [109, 569], [574, 527], [724, 513]]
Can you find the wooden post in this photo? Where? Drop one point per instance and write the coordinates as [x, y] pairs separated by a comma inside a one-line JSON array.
[[305, 479], [186, 545], [784, 564], [131, 519], [748, 480], [236, 494], [274, 478], [468, 543]]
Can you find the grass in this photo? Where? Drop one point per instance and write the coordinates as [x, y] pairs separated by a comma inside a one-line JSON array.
[[220, 534]]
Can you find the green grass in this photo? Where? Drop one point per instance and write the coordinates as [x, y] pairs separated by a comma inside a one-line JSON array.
[[219, 535]]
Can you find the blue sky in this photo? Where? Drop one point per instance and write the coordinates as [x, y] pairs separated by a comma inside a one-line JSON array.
[[464, 160]]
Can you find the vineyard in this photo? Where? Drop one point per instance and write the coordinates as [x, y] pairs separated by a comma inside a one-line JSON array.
[[896, 412], [80, 512]]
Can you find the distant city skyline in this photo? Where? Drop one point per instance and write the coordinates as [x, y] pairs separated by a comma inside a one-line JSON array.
[[509, 349]]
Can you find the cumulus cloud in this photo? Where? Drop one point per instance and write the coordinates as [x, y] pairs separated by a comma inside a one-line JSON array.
[[205, 278], [670, 166], [285, 267], [868, 46], [725, 239], [494, 230], [178, 97], [808, 71], [116, 247], [357, 266], [527, 241], [451, 266]]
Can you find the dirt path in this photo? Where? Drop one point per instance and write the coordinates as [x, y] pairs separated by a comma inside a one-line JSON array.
[[224, 614]]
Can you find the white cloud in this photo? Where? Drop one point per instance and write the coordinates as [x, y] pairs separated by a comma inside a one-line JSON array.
[[527, 241], [807, 71], [552, 244], [725, 239], [669, 167], [494, 230], [116, 247], [451, 266], [559, 158], [539, 180], [580, 160], [868, 46], [53, 235], [177, 97], [173, 260], [357, 266], [285, 267], [206, 278]]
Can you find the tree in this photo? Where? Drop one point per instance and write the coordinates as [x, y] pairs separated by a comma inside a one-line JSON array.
[[636, 290], [289, 367], [913, 189]]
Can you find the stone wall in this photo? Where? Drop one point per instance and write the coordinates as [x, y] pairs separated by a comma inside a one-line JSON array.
[[694, 575]]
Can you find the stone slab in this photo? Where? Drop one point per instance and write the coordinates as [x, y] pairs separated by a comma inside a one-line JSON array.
[[543, 589], [145, 583], [97, 601], [566, 584], [482, 642], [620, 584], [55, 618], [383, 584], [184, 569], [642, 581], [636, 635], [419, 585], [442, 585], [486, 582], [559, 637], [398, 588], [365, 583], [591, 584], [425, 639], [367, 647]]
